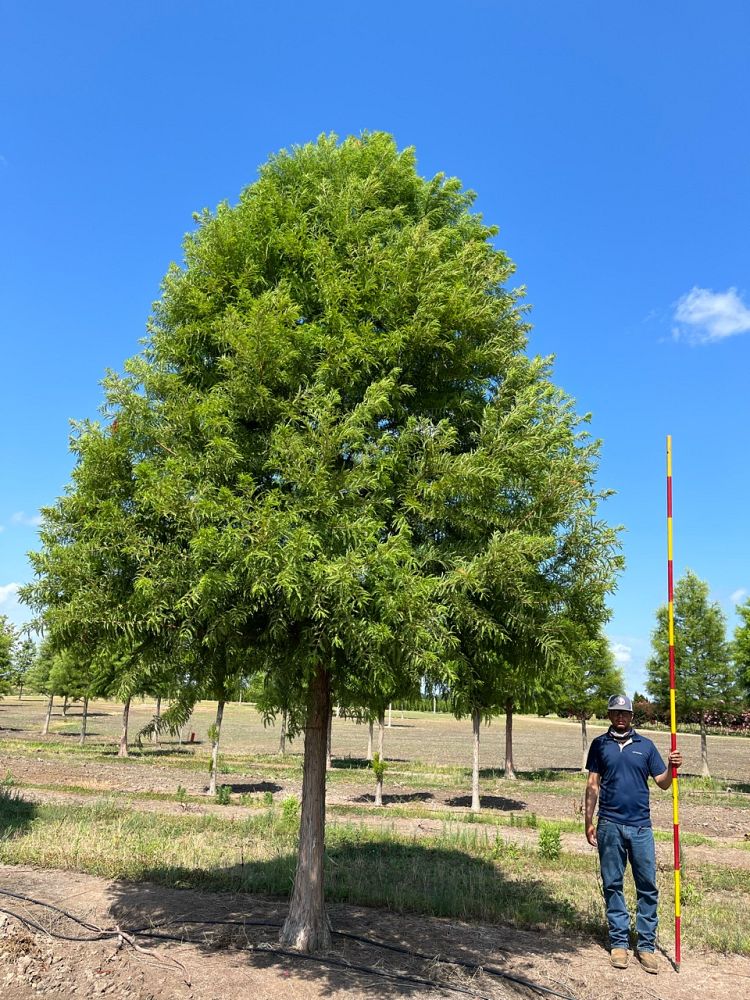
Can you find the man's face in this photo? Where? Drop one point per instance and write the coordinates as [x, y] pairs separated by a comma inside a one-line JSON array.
[[620, 720]]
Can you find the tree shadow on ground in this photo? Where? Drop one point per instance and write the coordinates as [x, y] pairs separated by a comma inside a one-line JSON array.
[[375, 891], [257, 786], [360, 763], [488, 802], [396, 797], [16, 813]]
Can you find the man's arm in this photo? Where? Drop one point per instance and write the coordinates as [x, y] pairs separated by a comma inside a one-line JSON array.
[[665, 780], [592, 795]]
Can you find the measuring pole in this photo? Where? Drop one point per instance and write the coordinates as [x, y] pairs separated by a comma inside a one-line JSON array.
[[673, 710]]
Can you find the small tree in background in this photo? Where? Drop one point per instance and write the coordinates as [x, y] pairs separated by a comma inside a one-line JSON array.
[[7, 642], [740, 649], [592, 677], [24, 657], [706, 678], [39, 678]]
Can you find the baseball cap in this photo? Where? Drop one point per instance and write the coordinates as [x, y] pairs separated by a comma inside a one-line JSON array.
[[619, 703]]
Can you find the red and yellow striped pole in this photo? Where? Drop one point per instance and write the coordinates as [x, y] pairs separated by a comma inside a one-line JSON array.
[[673, 710]]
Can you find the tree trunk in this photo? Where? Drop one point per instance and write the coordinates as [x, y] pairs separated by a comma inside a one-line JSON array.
[[123, 750], [65, 707], [329, 732], [475, 720], [584, 743], [434, 704], [306, 927], [20, 692], [509, 771], [704, 748], [389, 714], [381, 732], [84, 719], [379, 790], [282, 735], [157, 719], [48, 716], [369, 740], [216, 736]]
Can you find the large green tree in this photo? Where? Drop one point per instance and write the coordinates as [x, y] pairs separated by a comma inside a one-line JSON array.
[[705, 675], [331, 465]]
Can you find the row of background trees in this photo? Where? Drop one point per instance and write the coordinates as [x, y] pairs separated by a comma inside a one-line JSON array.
[[713, 678]]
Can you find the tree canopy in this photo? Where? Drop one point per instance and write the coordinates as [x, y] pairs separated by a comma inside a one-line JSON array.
[[705, 675], [333, 465]]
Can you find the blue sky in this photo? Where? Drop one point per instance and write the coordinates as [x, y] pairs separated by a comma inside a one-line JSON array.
[[609, 142]]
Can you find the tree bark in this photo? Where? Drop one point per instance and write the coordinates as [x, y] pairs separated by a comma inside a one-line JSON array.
[[48, 716], [84, 719], [157, 719], [123, 749], [381, 733], [282, 735], [369, 740], [390, 706], [20, 692], [475, 721], [379, 790], [509, 770], [329, 733], [306, 928], [215, 748], [584, 743], [704, 748], [65, 707]]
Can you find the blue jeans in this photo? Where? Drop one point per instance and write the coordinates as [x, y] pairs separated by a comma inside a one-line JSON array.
[[618, 844]]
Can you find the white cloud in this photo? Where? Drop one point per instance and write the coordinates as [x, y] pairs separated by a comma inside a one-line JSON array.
[[705, 317], [31, 521], [738, 596], [7, 591], [623, 654]]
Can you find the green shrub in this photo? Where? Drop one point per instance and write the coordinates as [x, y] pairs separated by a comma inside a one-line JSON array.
[[224, 794], [550, 846]]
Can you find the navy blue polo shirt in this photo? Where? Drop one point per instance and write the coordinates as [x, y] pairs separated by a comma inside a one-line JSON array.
[[623, 777]]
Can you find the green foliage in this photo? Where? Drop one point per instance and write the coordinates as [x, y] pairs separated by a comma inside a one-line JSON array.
[[268, 798], [290, 809], [181, 793], [7, 642], [550, 845], [378, 766], [224, 794], [24, 657], [592, 677], [741, 648], [706, 678]]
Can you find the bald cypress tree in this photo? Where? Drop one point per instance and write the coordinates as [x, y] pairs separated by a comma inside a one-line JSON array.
[[333, 460]]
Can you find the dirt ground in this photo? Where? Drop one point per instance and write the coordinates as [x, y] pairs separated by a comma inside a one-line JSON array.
[[439, 739], [225, 961], [715, 820], [221, 961]]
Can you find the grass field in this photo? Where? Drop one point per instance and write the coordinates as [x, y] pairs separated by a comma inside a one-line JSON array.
[[522, 862]]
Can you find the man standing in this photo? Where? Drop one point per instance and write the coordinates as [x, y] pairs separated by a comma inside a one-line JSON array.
[[619, 765]]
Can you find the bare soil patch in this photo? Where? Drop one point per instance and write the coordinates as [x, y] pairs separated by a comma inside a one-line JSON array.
[[224, 961]]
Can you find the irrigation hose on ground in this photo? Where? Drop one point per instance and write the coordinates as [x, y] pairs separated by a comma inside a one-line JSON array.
[[103, 934]]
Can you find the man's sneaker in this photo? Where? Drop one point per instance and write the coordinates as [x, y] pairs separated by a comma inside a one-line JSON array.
[[618, 957], [649, 962]]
